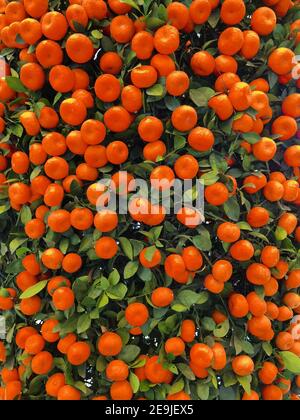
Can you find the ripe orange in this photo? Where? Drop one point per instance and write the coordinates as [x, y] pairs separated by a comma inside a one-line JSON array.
[[175, 346], [228, 232], [110, 344], [216, 194], [188, 330], [222, 271], [263, 21], [192, 258], [284, 341], [253, 396], [121, 390], [150, 262], [281, 60], [203, 63], [272, 393], [47, 331], [238, 305], [230, 41], [78, 353], [258, 274], [242, 250], [270, 256], [42, 363], [136, 314], [220, 357], [106, 248], [166, 39], [243, 365], [54, 384], [117, 370], [257, 305], [68, 393], [155, 372], [63, 298], [34, 344], [200, 11], [201, 355]]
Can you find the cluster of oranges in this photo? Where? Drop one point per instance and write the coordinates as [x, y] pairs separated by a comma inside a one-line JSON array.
[[149, 305]]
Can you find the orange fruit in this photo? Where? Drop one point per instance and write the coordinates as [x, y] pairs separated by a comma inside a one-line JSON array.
[[162, 297], [243, 365], [110, 344], [136, 314], [117, 370], [201, 355]]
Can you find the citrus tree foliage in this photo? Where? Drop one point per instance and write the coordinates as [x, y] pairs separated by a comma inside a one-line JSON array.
[[150, 306]]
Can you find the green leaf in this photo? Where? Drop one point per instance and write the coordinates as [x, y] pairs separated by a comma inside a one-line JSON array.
[[232, 209], [188, 298], [201, 96], [126, 247], [57, 98], [171, 103], [64, 245], [178, 307], [222, 329], [156, 90], [15, 84], [251, 138], [86, 243], [16, 243], [129, 353], [34, 290], [103, 301], [186, 371], [36, 385], [208, 324], [131, 3], [36, 172], [203, 241], [82, 387], [107, 44], [25, 215], [101, 364], [137, 246], [83, 324], [117, 292], [214, 18], [280, 234], [4, 208], [245, 381], [202, 298], [131, 269], [145, 274], [210, 178], [218, 163], [154, 22], [134, 382], [179, 142], [177, 387], [78, 27], [14, 267], [203, 391], [114, 277], [291, 361], [97, 34], [149, 254], [229, 379], [268, 349], [227, 394], [248, 348], [244, 226]]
